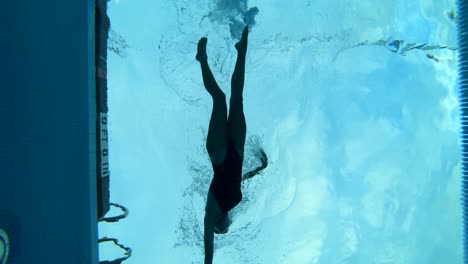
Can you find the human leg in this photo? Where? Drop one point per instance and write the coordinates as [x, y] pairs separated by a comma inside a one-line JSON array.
[[237, 81], [217, 132], [236, 121]]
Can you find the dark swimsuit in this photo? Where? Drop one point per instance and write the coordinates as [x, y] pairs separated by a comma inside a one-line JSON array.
[[226, 182]]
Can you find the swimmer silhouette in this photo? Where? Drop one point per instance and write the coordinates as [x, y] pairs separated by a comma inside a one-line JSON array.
[[225, 144]]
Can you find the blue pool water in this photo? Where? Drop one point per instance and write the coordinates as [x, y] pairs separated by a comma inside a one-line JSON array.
[[362, 140]]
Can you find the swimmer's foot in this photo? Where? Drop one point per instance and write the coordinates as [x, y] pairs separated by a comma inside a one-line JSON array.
[[201, 50], [241, 46]]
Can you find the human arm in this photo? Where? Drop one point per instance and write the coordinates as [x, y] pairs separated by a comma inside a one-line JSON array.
[[264, 160], [208, 240]]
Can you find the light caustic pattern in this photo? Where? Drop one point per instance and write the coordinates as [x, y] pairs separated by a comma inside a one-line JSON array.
[[355, 104]]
